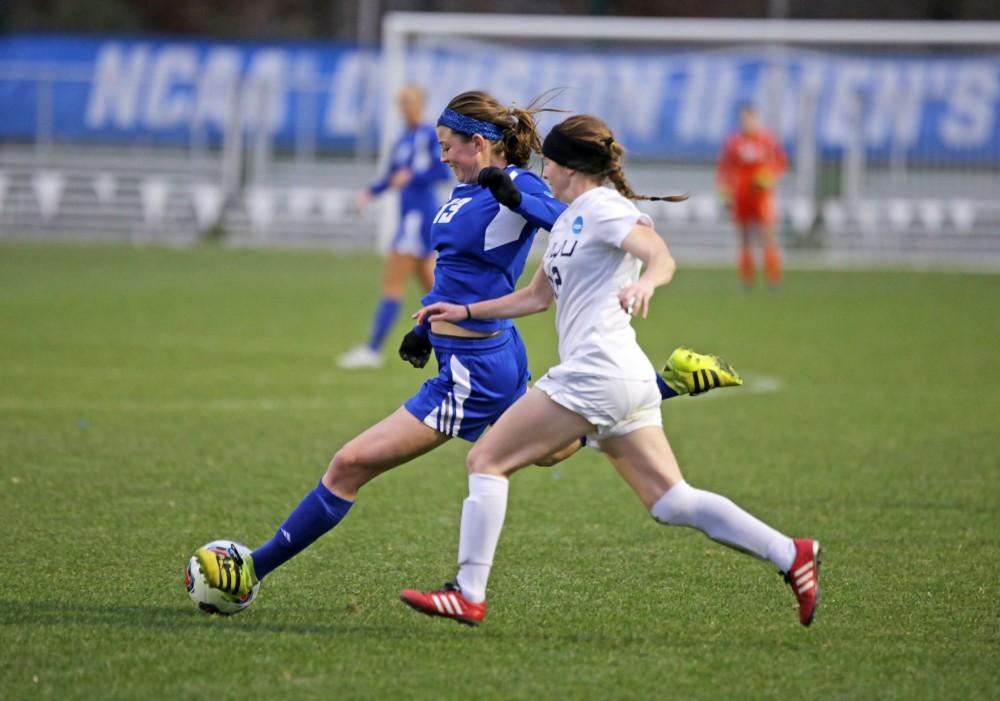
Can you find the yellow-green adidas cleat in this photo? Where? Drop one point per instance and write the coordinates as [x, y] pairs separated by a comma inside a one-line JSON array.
[[688, 372], [227, 570]]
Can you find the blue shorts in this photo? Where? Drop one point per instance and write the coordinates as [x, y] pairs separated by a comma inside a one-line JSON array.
[[478, 378], [413, 237]]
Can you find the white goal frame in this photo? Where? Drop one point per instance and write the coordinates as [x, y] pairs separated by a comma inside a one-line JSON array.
[[398, 27], [856, 222]]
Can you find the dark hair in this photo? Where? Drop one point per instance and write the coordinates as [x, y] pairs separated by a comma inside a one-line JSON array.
[[602, 154], [520, 132]]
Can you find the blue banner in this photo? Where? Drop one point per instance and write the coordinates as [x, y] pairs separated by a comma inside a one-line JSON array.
[[677, 104], [173, 92]]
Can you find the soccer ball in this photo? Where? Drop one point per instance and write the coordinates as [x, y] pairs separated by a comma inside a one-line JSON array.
[[211, 600]]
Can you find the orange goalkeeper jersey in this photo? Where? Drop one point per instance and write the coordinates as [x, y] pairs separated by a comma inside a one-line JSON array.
[[751, 164]]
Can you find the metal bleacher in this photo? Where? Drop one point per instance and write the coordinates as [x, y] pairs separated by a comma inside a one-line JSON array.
[[949, 217], [174, 197]]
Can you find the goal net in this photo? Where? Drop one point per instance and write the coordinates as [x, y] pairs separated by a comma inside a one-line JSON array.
[[892, 129]]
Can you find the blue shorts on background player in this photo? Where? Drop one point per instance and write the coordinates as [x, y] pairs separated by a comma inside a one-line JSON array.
[[415, 170]]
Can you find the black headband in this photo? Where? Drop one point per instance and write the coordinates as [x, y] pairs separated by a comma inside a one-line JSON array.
[[585, 156]]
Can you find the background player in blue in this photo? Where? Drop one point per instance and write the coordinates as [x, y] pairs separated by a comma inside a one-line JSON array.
[[483, 366], [415, 170]]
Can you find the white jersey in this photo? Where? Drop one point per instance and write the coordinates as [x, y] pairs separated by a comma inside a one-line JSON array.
[[587, 267]]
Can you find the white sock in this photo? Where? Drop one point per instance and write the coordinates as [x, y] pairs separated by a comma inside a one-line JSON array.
[[723, 521], [483, 512]]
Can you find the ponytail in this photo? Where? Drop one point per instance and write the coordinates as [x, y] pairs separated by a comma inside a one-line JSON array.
[[520, 136], [521, 139], [616, 175]]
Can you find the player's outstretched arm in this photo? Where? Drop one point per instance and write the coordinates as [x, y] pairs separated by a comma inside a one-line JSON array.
[[382, 184], [646, 245], [535, 297]]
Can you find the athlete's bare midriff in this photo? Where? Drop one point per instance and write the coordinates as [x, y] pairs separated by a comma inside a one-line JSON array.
[[446, 328]]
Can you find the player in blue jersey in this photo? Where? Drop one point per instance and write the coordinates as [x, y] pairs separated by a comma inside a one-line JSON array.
[[415, 170], [482, 364], [483, 368]]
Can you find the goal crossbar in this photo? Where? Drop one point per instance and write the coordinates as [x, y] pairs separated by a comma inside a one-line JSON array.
[[692, 29], [398, 27]]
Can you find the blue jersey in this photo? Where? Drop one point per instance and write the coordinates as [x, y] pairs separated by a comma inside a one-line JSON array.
[[482, 247], [417, 150]]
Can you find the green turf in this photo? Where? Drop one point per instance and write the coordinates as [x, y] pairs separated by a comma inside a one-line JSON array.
[[152, 400]]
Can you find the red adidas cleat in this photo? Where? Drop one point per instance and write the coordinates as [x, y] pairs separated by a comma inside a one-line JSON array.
[[446, 602], [803, 578]]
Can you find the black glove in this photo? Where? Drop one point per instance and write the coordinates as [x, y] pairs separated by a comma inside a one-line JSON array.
[[499, 183], [416, 347]]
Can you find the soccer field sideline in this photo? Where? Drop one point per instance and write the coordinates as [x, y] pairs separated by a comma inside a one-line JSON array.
[[151, 400]]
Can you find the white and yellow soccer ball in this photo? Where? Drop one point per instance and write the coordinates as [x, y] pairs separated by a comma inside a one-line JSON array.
[[211, 600]]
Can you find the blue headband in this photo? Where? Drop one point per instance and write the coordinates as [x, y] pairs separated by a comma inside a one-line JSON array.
[[469, 126]]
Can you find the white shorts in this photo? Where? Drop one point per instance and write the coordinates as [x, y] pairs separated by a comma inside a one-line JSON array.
[[615, 407]]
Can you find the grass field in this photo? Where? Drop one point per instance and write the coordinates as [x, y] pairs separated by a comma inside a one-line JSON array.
[[152, 400]]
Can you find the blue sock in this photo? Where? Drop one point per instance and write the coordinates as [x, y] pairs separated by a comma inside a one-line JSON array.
[[665, 390], [385, 315], [320, 511]]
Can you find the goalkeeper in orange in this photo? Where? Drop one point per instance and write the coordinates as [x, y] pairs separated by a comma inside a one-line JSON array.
[[750, 166]]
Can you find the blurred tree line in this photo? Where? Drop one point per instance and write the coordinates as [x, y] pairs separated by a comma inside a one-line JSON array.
[[350, 20]]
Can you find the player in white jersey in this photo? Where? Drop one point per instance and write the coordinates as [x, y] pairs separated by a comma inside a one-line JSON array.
[[603, 386]]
